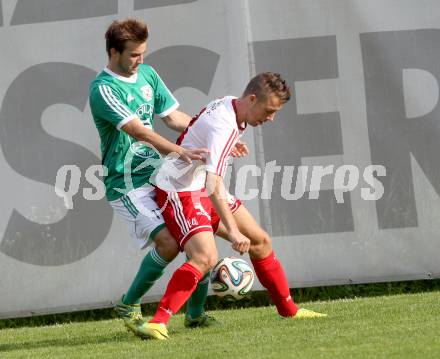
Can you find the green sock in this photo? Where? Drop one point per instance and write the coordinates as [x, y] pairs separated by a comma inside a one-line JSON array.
[[196, 303], [151, 269]]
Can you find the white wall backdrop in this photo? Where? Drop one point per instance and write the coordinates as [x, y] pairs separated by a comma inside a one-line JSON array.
[[364, 76]]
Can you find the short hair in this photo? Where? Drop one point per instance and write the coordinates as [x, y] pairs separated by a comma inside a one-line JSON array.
[[267, 83], [119, 32]]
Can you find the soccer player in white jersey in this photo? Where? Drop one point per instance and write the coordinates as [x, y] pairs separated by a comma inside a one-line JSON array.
[[196, 205], [124, 97]]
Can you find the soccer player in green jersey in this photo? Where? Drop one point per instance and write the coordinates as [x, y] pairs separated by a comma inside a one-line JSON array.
[[124, 98]]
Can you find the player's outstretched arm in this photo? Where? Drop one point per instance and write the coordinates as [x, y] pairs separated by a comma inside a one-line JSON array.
[[137, 130], [217, 194], [177, 121]]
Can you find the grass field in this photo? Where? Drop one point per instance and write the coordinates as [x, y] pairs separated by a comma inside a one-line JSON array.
[[397, 326]]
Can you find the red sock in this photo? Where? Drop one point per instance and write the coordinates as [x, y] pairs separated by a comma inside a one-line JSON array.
[[271, 275], [179, 289]]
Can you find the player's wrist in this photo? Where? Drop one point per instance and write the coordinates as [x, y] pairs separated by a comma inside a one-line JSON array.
[[180, 151], [233, 233]]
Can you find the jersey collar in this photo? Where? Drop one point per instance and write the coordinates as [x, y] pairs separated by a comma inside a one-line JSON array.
[[132, 79]]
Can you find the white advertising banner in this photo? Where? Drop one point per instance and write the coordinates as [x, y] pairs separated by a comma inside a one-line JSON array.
[[346, 180]]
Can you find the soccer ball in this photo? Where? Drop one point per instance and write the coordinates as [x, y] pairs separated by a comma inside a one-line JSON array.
[[232, 278]]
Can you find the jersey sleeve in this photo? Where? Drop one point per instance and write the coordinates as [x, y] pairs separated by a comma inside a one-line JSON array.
[[220, 139], [164, 101], [107, 104]]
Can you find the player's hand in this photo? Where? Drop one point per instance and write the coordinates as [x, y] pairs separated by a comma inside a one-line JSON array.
[[240, 149], [195, 154], [240, 243]]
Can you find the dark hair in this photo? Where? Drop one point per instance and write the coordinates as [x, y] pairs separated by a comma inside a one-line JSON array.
[[127, 30], [268, 83]]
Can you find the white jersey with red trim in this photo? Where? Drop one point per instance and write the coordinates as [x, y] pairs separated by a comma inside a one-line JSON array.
[[216, 129]]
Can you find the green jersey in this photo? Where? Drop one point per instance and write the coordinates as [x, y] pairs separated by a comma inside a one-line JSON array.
[[116, 100]]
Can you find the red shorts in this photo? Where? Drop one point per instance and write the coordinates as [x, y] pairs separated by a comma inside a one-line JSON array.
[[188, 213]]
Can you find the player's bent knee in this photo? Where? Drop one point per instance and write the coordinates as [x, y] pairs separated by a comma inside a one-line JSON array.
[[166, 246], [205, 261], [261, 245], [262, 240], [266, 241], [167, 253], [212, 261]]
